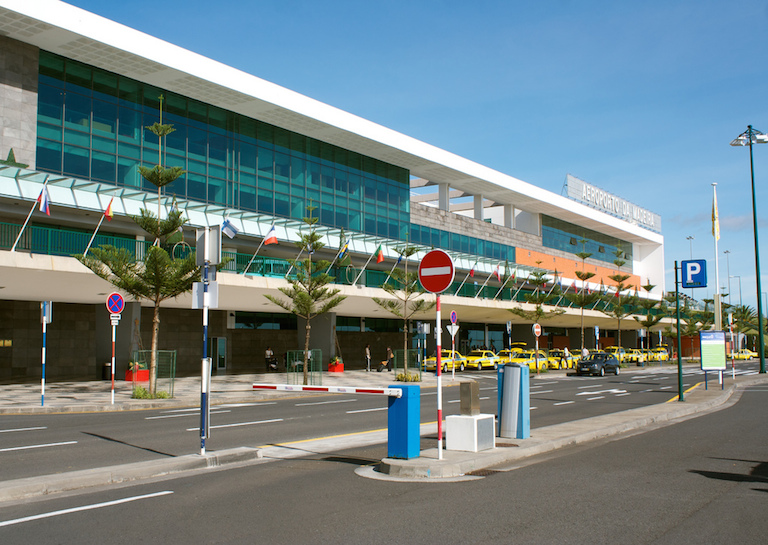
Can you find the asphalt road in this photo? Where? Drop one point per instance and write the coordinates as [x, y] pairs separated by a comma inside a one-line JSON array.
[[54, 443], [700, 481]]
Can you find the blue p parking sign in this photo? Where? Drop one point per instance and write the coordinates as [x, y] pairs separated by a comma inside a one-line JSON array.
[[694, 273]]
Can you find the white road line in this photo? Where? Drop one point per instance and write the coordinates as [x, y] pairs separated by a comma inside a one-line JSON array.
[[25, 429], [619, 395], [489, 388], [38, 446], [583, 387], [454, 400], [239, 424], [238, 405], [368, 410], [665, 388], [181, 415], [594, 398], [534, 408], [543, 392], [83, 508], [483, 398], [648, 390], [565, 403], [324, 402], [545, 383]]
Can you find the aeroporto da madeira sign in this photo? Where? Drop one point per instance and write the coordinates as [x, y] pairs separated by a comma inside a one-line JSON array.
[[594, 197]]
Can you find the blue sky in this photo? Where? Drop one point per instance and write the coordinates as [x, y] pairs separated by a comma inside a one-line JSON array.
[[638, 98]]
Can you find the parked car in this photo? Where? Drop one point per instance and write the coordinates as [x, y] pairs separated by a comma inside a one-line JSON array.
[[506, 355], [528, 357], [617, 351], [635, 355], [743, 354], [598, 363], [649, 355], [449, 359], [661, 353], [480, 359], [558, 359]]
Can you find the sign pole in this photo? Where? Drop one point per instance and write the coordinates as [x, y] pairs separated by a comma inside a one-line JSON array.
[[42, 380], [115, 306], [679, 356], [438, 363]]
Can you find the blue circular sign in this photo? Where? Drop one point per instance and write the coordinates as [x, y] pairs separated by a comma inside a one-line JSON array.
[[115, 303], [453, 317]]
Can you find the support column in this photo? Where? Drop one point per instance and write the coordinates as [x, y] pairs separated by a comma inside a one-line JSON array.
[[509, 216], [443, 199], [479, 212]]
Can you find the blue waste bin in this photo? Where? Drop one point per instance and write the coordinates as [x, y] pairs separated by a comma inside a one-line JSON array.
[[514, 401]]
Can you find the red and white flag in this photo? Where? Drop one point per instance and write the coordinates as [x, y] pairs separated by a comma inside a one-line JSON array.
[[45, 202], [271, 237], [108, 212]]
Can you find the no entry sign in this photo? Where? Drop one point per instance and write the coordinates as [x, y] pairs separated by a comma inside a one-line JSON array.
[[436, 271]]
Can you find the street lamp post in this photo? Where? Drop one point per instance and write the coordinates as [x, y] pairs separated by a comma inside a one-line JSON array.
[[741, 302], [728, 266], [690, 241], [748, 138]]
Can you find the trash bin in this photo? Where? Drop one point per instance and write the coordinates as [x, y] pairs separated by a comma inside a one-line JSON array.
[[106, 371], [514, 401]]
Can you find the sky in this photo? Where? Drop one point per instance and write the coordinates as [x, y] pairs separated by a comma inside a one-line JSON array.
[[640, 99]]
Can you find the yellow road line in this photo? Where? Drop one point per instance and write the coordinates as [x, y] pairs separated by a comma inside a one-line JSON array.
[[330, 437], [685, 392]]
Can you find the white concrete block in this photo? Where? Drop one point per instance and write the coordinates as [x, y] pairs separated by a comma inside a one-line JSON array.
[[471, 433]]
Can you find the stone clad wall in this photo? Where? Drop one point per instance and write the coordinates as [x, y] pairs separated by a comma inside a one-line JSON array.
[[19, 65]]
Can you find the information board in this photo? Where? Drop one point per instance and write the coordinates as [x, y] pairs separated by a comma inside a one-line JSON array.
[[712, 350]]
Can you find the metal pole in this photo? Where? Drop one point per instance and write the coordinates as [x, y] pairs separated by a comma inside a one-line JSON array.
[[728, 265], [114, 335], [438, 365], [679, 356], [204, 370], [42, 380], [757, 256]]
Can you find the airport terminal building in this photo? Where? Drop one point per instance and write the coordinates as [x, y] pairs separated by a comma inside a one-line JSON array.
[[77, 92]]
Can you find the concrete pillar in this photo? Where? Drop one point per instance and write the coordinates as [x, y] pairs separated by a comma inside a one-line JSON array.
[[509, 216], [18, 100], [443, 199], [479, 212], [320, 335]]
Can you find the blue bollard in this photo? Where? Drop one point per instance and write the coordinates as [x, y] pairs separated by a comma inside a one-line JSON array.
[[404, 423], [514, 403]]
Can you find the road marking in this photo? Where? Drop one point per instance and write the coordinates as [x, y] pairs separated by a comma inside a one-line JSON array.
[[685, 391], [25, 429], [324, 402], [238, 424], [181, 415], [483, 398], [665, 388], [238, 405], [545, 383], [611, 391], [83, 508], [624, 394], [368, 410], [38, 446], [583, 387], [543, 392], [594, 398], [534, 408], [565, 403], [490, 388]]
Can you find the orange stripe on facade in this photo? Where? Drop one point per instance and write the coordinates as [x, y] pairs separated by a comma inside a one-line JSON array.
[[567, 267]]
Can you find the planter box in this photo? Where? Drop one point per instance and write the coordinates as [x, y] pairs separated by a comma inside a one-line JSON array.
[[142, 375], [335, 367]]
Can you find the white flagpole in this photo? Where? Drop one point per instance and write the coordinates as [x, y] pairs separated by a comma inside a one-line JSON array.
[[465, 278], [716, 236], [13, 248], [364, 266], [400, 258], [93, 236], [504, 284], [523, 283], [481, 287], [254, 256], [294, 261]]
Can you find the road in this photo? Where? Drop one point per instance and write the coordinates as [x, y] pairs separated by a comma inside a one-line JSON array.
[[54, 443], [700, 481]]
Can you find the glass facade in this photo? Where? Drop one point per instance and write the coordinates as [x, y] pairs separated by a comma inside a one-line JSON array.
[[567, 237], [91, 125], [448, 240]]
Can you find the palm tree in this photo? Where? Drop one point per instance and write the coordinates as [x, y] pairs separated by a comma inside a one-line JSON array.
[[584, 298], [619, 306]]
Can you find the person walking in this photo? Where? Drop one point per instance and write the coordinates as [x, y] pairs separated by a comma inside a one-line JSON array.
[[367, 357], [389, 359]]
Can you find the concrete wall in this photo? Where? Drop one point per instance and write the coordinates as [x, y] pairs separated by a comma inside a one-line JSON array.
[[18, 100]]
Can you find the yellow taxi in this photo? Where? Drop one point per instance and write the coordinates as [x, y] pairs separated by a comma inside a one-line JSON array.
[[480, 359], [528, 357], [507, 354], [743, 354], [449, 359], [558, 359], [618, 352], [635, 355], [661, 353]]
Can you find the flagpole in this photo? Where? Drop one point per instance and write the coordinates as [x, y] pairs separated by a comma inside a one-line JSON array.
[[393, 268], [481, 287], [254, 256], [13, 248], [93, 236], [502, 286], [465, 278], [294, 261], [523, 283], [716, 236], [363, 269]]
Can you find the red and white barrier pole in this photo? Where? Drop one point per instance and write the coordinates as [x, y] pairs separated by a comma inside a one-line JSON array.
[[438, 362], [390, 392]]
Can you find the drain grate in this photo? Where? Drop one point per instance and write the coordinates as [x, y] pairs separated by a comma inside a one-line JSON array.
[[504, 445], [483, 472]]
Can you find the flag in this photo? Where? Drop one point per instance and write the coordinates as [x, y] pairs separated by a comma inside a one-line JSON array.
[[379, 254], [343, 252], [472, 270], [229, 229], [45, 202], [715, 217], [496, 274], [271, 237], [108, 212]]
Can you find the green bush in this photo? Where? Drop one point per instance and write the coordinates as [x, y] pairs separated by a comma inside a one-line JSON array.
[[410, 377], [139, 392]]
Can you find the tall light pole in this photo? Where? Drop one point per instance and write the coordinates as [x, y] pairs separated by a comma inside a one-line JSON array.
[[741, 302], [748, 138], [728, 266]]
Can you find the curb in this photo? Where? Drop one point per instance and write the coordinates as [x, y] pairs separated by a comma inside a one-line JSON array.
[[44, 485]]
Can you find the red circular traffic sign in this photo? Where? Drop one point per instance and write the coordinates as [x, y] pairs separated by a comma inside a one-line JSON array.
[[115, 303], [537, 330], [436, 271]]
